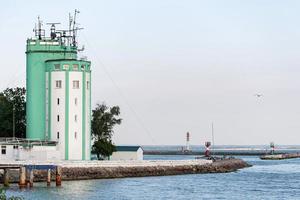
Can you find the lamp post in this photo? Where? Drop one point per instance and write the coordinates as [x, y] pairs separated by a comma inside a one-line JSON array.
[[14, 128]]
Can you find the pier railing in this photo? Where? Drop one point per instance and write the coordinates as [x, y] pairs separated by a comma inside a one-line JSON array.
[[26, 142]]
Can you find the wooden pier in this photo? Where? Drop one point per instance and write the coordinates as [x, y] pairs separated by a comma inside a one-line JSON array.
[[26, 174]]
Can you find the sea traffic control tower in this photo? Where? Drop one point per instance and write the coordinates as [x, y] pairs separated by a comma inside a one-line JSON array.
[[58, 98]]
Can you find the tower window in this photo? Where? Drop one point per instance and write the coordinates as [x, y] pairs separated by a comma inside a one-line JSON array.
[[75, 118], [65, 67], [57, 101], [57, 135], [75, 84], [3, 150], [76, 101], [75, 135], [82, 67], [56, 66], [58, 118], [58, 84], [87, 85], [75, 67]]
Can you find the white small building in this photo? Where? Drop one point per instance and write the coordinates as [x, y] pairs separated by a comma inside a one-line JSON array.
[[16, 149], [128, 153]]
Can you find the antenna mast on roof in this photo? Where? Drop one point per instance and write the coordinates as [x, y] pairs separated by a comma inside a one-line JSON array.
[[39, 32], [73, 28]]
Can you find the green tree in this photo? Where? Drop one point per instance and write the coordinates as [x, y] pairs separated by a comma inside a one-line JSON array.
[[104, 120], [12, 108]]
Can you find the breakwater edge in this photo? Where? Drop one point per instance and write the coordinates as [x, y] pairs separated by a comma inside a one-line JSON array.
[[79, 170]]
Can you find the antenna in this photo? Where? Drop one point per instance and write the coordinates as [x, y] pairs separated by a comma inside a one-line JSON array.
[[70, 23], [213, 137], [74, 28], [52, 30], [39, 28], [39, 32], [65, 37]]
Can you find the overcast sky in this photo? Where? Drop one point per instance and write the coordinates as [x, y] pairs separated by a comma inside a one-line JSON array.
[[175, 66]]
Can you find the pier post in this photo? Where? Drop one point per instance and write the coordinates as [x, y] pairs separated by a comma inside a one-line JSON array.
[[27, 177], [49, 177], [22, 177], [6, 178], [58, 176], [31, 176]]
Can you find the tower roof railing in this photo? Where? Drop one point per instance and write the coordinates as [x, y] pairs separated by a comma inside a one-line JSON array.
[[25, 142]]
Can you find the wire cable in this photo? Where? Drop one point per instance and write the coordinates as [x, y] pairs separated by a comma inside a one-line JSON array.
[[120, 92]]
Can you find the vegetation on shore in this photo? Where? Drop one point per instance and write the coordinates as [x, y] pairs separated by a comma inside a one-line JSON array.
[[104, 120], [13, 112]]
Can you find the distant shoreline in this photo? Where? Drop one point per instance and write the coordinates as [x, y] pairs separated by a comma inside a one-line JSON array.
[[229, 152]]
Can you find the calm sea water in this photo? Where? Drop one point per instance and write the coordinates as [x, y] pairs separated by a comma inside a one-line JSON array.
[[265, 180]]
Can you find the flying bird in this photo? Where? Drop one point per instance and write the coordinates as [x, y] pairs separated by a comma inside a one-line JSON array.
[[258, 95]]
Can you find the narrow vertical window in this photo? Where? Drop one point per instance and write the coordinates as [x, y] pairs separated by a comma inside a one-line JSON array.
[[3, 150], [75, 118], [58, 118], [76, 101], [75, 135], [75, 84], [57, 135], [87, 85], [57, 101], [58, 84]]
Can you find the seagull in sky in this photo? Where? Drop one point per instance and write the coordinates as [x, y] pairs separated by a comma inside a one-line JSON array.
[[258, 95]]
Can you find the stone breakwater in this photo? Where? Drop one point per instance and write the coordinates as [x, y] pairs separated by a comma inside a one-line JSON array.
[[82, 170], [156, 168]]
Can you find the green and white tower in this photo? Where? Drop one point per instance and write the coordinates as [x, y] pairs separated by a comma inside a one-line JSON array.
[[58, 86]]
